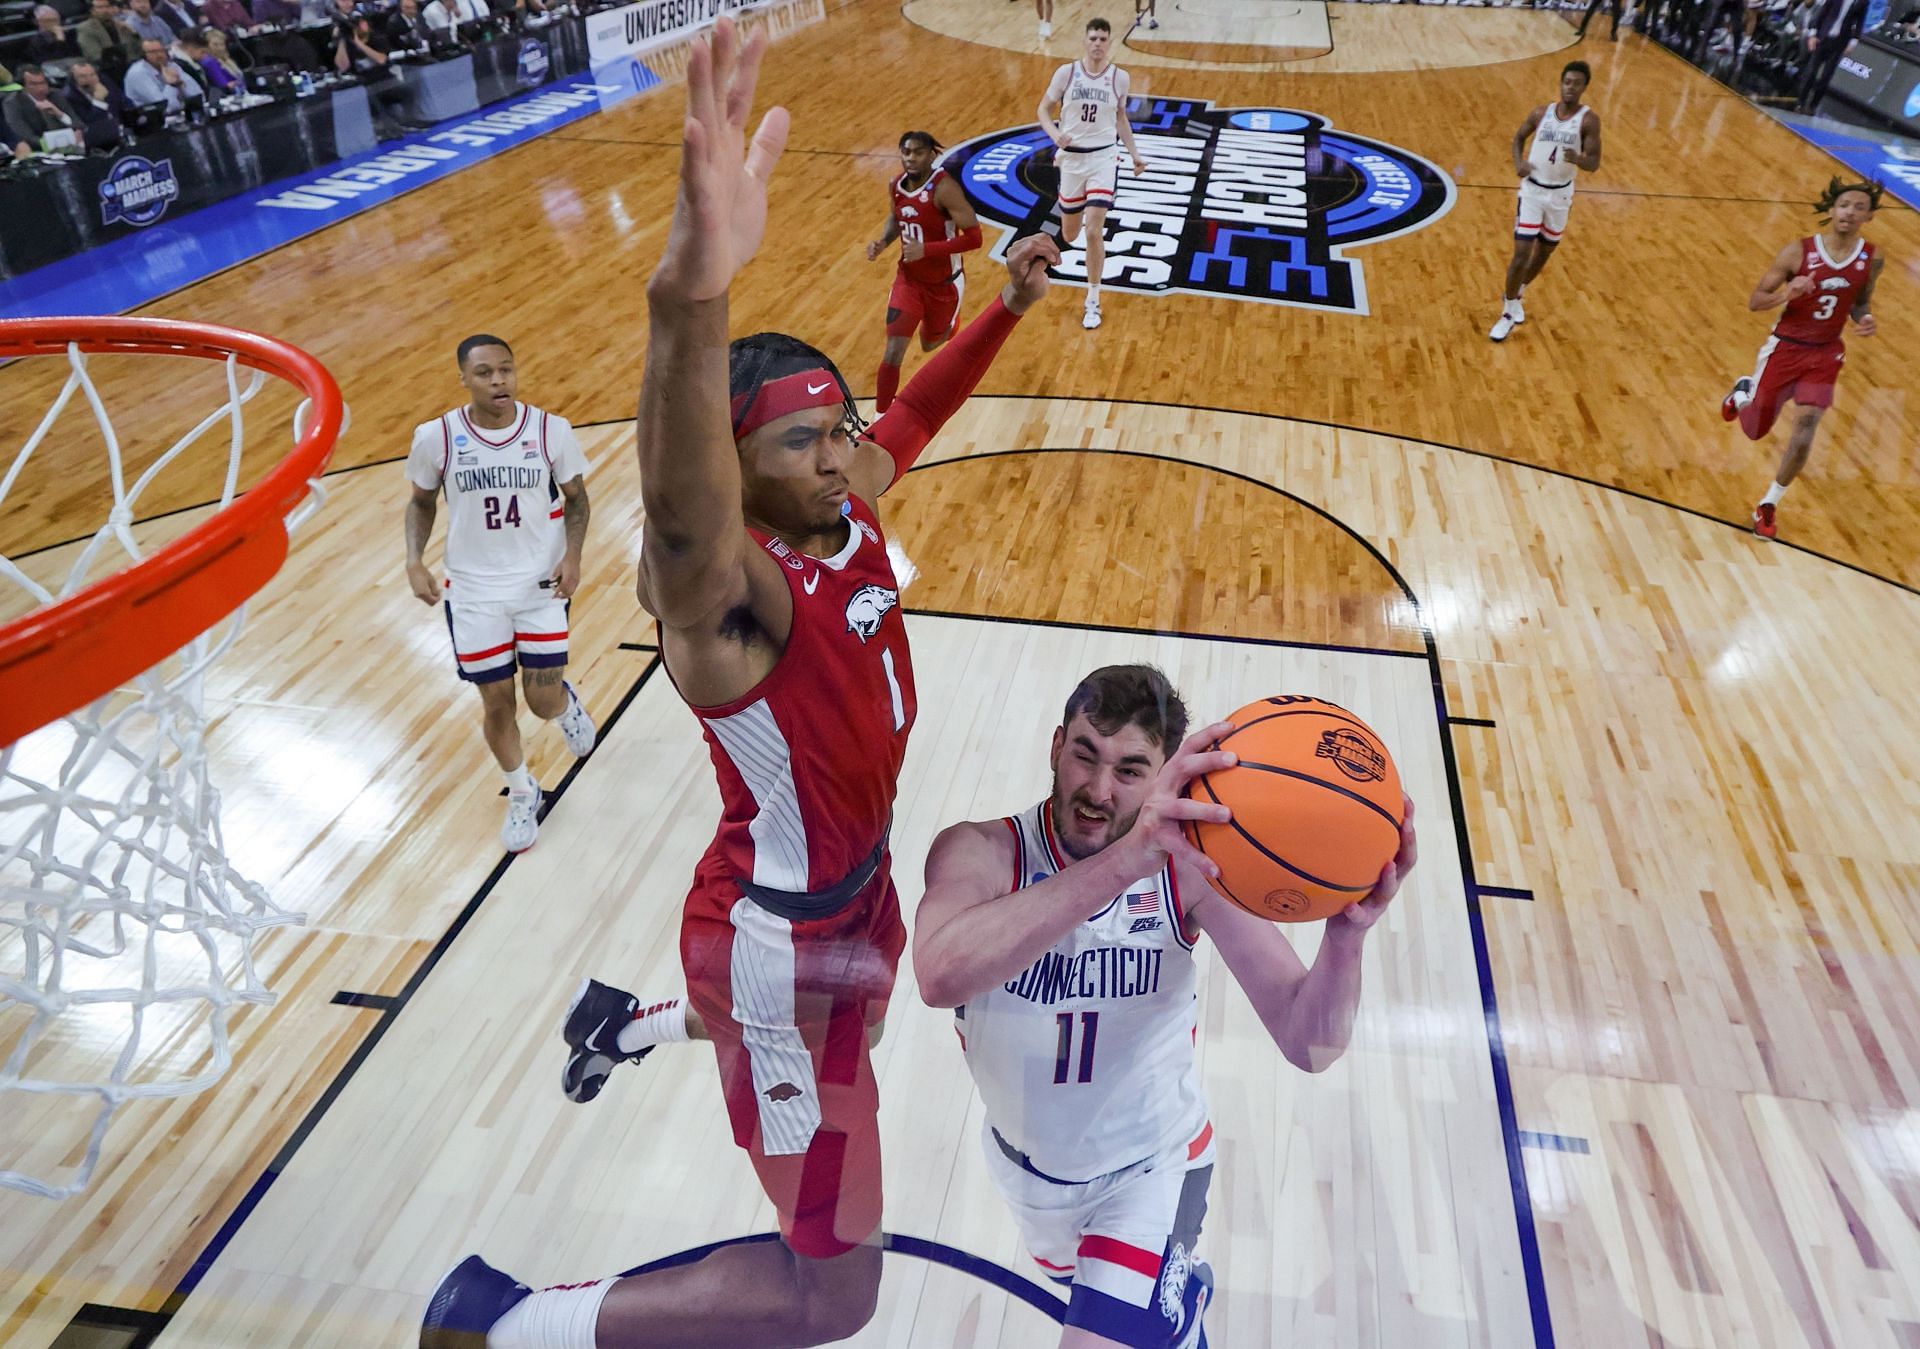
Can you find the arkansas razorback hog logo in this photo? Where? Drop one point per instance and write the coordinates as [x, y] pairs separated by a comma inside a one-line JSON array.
[[782, 1091]]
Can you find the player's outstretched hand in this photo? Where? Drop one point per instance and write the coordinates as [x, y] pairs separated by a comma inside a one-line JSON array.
[[1366, 913], [1027, 263], [720, 215], [1156, 835], [420, 580], [1864, 326]]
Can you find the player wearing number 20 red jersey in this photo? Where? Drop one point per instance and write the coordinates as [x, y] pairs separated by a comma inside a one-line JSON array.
[[931, 217], [1825, 280]]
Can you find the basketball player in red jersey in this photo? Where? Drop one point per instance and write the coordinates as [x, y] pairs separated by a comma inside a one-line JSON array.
[[764, 563], [1824, 280], [931, 217]]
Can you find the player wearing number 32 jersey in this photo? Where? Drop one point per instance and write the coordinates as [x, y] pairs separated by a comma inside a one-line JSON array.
[[1063, 938], [1825, 281]]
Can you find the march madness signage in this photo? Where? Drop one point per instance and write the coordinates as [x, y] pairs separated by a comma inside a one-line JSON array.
[[1249, 203]]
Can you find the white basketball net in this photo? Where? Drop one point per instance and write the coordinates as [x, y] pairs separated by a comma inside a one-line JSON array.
[[123, 930]]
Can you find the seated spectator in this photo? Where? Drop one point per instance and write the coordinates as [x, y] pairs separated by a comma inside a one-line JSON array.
[[236, 60], [50, 41], [450, 14], [220, 80], [177, 15], [97, 104], [146, 24], [406, 29], [161, 79], [105, 39], [363, 52], [38, 118], [225, 16]]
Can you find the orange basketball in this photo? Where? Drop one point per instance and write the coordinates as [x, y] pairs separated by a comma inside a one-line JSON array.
[[1316, 810]]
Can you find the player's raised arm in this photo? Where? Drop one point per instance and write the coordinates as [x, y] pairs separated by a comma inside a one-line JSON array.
[[1520, 138], [692, 553], [971, 933], [1780, 285], [892, 444], [1308, 1012]]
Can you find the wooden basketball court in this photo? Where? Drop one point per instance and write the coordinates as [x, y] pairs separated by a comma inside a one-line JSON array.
[[1638, 1062]]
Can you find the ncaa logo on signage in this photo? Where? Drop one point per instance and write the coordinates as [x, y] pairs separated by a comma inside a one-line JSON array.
[[1255, 204]]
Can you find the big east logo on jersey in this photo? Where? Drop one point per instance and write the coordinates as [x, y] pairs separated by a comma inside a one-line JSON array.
[[1249, 203]]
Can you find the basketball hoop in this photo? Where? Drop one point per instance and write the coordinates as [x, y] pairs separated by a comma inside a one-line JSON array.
[[114, 877]]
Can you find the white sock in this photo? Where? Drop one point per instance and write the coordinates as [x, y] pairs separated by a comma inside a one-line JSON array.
[[553, 1318], [659, 1023], [520, 782], [1774, 493], [1093, 294]]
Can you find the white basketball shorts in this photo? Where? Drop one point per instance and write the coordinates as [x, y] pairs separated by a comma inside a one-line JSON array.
[[1542, 212], [1087, 179], [491, 636]]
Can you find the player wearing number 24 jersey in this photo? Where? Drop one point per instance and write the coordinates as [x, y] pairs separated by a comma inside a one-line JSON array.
[[934, 222], [514, 481], [1063, 939], [1825, 280]]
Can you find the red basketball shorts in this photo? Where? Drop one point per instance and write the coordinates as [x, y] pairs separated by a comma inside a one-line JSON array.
[[789, 1006], [1790, 372], [933, 309]]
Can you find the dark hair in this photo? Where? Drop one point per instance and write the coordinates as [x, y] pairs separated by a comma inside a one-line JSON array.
[[1584, 70], [753, 361], [926, 136], [1837, 189], [32, 70], [479, 340], [1117, 696], [193, 37], [1097, 25]]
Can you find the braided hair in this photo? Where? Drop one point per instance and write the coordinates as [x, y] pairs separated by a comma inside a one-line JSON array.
[[926, 136], [1837, 189], [754, 361]]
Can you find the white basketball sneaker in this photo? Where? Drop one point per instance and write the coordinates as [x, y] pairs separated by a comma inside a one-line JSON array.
[[1091, 318], [522, 825], [1046, 30], [1504, 324], [576, 725], [1152, 22]]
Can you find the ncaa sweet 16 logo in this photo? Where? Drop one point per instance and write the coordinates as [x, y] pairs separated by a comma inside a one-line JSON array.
[[1247, 203]]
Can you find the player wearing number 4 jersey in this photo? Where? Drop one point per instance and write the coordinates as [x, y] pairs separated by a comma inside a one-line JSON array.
[[1555, 140], [764, 562], [1824, 280], [931, 217], [516, 491], [1063, 939]]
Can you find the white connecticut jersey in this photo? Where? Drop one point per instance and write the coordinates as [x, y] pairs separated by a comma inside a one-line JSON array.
[[504, 519], [1089, 105], [1085, 1061], [1555, 141]]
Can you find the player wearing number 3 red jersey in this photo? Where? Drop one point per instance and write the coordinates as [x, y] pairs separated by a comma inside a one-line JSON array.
[[931, 217], [764, 563], [1824, 280]]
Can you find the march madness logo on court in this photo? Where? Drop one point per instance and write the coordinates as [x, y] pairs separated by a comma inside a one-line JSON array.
[[1250, 203]]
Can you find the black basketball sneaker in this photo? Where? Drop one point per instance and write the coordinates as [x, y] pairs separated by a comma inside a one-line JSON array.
[[592, 1032]]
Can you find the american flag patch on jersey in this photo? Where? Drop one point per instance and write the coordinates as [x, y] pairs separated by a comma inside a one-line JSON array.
[[1146, 903]]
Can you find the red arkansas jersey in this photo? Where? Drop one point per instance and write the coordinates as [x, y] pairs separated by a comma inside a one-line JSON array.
[[809, 758], [1820, 316], [918, 216]]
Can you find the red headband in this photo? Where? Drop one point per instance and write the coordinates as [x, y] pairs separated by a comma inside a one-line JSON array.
[[815, 388]]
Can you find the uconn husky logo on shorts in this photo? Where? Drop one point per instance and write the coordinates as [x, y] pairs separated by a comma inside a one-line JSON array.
[[1247, 203]]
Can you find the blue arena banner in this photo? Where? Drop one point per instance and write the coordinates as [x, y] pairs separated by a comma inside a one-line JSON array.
[[1890, 159], [177, 250]]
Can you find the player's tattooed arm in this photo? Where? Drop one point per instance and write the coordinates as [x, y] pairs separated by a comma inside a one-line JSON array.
[[1862, 312], [1589, 156], [1780, 285], [421, 508], [566, 578], [1527, 128], [888, 233]]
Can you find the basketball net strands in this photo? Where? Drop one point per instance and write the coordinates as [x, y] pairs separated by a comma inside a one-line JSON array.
[[121, 917]]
